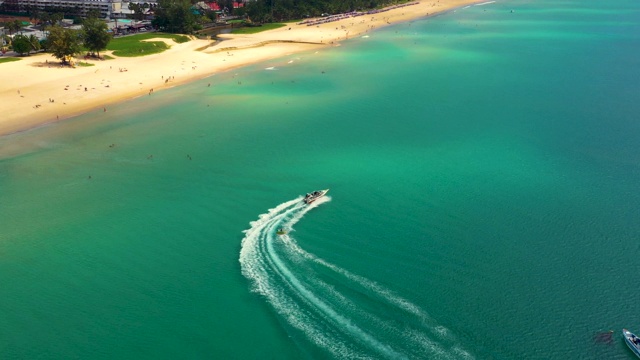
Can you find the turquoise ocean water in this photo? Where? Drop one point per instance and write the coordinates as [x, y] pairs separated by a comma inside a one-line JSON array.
[[484, 169]]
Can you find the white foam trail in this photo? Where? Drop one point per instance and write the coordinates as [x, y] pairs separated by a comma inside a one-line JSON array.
[[257, 268], [331, 313], [309, 297], [270, 68], [371, 285], [385, 294], [485, 3], [319, 310]]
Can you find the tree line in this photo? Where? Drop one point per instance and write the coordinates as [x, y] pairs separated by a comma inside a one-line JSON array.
[[178, 16], [184, 17], [64, 42], [266, 11]]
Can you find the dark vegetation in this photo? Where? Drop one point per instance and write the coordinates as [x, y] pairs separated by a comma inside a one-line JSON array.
[[180, 16], [267, 11]]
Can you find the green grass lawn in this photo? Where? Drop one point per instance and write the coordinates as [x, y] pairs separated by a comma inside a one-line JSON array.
[[8, 59], [257, 29], [130, 46]]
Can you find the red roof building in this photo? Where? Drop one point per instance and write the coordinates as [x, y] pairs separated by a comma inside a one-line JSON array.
[[215, 7]]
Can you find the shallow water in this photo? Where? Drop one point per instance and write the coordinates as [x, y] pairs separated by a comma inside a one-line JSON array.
[[483, 168]]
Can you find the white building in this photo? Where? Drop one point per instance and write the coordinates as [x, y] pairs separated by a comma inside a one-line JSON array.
[[107, 8]]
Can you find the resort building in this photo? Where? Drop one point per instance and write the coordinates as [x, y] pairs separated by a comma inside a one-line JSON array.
[[68, 7], [109, 9]]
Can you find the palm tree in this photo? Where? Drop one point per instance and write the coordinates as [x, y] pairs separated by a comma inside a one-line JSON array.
[[55, 18], [14, 26], [44, 18], [35, 42], [6, 40]]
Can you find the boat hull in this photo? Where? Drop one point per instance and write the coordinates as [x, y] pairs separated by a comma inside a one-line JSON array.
[[629, 339], [310, 198]]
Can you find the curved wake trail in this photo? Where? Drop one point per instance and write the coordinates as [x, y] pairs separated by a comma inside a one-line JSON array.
[[342, 313]]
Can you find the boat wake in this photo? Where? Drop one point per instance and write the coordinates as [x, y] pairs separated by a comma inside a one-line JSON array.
[[342, 313]]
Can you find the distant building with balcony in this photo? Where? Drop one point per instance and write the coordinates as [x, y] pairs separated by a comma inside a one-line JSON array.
[[106, 8], [109, 9]]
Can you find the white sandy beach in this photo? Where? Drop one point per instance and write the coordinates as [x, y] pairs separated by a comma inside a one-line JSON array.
[[37, 91]]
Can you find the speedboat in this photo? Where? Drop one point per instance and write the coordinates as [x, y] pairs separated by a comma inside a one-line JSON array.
[[311, 197], [281, 231], [633, 342]]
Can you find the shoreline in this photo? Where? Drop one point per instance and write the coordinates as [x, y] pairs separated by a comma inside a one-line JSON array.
[[36, 91]]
